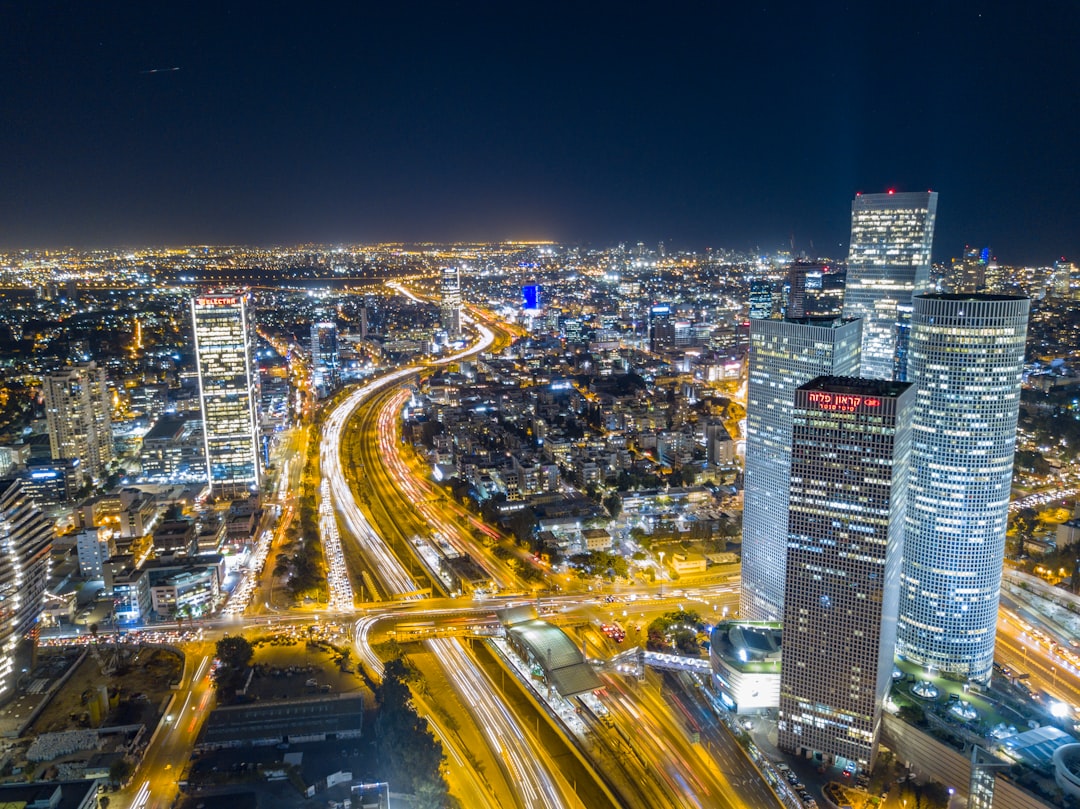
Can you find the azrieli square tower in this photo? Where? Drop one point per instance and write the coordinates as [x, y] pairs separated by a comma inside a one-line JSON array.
[[784, 354], [888, 262]]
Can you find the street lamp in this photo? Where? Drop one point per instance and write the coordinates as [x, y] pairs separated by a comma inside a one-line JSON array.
[[661, 555]]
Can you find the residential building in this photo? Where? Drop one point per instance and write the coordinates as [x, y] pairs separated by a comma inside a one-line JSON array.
[[94, 546], [967, 355], [888, 262], [783, 356], [851, 441], [26, 537], [78, 411], [227, 393]]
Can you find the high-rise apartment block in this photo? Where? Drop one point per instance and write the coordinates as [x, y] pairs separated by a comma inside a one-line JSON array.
[[851, 440], [26, 537], [227, 393], [888, 262], [783, 356], [966, 363], [761, 299], [77, 410], [450, 304]]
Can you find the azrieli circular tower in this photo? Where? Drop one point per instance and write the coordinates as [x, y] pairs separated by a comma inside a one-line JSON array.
[[966, 357]]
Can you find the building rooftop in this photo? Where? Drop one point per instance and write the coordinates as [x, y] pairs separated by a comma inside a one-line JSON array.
[[856, 385]]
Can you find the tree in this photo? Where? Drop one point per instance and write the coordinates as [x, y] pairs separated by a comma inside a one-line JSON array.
[[234, 653], [120, 770]]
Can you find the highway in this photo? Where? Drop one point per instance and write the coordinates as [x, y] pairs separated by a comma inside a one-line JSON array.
[[536, 781]]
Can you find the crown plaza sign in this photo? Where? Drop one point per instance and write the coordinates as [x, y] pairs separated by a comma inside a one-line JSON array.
[[841, 402]]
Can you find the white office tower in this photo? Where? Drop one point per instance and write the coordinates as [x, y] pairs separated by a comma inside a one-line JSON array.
[[967, 355], [26, 537], [849, 470], [227, 393], [783, 356], [888, 262], [450, 308], [77, 412]]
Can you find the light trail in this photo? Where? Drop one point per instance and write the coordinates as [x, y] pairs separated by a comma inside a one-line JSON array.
[[537, 787]]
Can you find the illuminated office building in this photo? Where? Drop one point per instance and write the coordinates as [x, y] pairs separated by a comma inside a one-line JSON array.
[[969, 272], [227, 393], [761, 299], [450, 303], [851, 439], [888, 262], [77, 411], [661, 328], [26, 537], [967, 355], [783, 356], [325, 359]]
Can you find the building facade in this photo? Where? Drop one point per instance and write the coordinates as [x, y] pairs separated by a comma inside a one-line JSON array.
[[325, 359], [783, 356], [450, 303], [888, 262], [26, 537], [227, 393], [967, 356], [78, 414], [851, 442]]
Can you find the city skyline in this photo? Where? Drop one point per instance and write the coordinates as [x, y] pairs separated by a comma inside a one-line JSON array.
[[244, 125]]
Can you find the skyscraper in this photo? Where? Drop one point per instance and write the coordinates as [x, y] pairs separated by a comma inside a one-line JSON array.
[[661, 328], [77, 410], [889, 260], [967, 355], [450, 306], [783, 356], [25, 539], [227, 393], [325, 360], [761, 299], [969, 272], [849, 468]]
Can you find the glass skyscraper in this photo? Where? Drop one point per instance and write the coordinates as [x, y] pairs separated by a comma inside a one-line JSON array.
[[783, 356], [966, 362], [851, 439], [227, 393], [888, 261]]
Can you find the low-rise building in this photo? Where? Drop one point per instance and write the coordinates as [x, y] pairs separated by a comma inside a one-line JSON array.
[[745, 658]]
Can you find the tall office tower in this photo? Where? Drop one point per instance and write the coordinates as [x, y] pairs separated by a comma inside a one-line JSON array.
[[889, 261], [77, 410], [967, 357], [661, 328], [26, 537], [969, 272], [325, 360], [227, 393], [761, 299], [783, 356], [851, 439], [1064, 273], [450, 308]]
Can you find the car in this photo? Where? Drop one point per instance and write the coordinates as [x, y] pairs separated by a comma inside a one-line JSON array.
[[799, 786], [783, 767]]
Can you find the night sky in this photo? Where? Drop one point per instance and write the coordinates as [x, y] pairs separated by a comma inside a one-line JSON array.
[[700, 124]]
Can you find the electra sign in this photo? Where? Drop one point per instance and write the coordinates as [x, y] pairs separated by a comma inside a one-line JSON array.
[[842, 402], [219, 301]]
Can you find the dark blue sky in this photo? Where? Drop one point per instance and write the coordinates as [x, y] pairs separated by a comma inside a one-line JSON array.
[[694, 123]]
